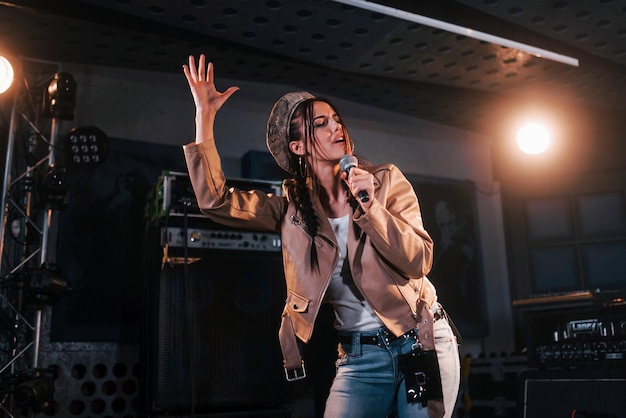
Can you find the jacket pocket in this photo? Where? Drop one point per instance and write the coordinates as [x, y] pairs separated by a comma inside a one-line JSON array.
[[297, 303]]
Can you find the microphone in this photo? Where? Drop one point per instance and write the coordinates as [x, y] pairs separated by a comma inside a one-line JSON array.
[[345, 164]]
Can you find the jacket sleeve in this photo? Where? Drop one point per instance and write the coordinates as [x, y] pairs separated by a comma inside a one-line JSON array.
[[253, 209], [394, 225]]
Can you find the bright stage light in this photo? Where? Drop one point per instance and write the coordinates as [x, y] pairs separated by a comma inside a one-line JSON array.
[[533, 138], [6, 74]]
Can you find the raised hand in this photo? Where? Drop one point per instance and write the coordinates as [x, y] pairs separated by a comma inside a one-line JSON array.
[[205, 96]]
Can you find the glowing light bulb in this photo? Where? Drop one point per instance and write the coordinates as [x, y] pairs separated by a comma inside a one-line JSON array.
[[6, 74], [533, 138]]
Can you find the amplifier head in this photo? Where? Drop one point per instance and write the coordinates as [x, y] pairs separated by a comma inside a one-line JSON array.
[[173, 194], [577, 337]]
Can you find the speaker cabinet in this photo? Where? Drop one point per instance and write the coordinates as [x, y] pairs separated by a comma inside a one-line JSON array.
[[211, 341], [580, 393], [492, 385]]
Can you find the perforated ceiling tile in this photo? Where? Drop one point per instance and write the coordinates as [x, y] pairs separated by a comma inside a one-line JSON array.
[[323, 32], [341, 50], [595, 26]]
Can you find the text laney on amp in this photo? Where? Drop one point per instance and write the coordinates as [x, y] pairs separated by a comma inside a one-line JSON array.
[[582, 329], [185, 232]]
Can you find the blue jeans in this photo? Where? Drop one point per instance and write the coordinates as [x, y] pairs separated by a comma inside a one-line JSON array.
[[368, 383]]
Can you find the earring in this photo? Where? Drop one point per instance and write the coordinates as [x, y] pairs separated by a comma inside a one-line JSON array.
[[302, 166]]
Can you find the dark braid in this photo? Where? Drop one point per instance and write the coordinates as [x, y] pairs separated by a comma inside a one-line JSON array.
[[311, 221], [300, 122]]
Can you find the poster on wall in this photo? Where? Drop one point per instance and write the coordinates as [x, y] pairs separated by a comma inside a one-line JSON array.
[[100, 249], [450, 216]]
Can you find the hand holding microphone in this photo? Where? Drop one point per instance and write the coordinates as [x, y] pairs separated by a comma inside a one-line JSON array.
[[348, 162]]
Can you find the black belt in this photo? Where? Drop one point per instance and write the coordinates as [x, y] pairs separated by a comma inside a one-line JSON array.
[[385, 336]]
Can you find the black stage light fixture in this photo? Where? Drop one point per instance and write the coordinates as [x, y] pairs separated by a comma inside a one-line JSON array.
[[46, 285], [53, 187], [86, 147], [36, 391], [60, 97]]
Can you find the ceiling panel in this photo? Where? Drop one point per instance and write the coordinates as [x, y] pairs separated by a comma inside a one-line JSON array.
[[369, 57]]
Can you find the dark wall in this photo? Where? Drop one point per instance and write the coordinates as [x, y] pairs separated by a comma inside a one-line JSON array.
[[101, 249]]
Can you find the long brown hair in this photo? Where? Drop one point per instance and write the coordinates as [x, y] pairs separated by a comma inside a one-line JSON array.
[[307, 185]]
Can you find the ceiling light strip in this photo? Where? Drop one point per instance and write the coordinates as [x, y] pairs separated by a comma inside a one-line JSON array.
[[449, 27]]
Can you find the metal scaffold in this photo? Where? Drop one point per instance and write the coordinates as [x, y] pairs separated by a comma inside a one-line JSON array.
[[34, 189]]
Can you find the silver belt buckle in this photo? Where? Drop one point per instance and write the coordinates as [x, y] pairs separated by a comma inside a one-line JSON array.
[[295, 374]]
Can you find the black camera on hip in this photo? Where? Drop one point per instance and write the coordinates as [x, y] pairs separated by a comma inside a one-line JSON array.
[[421, 376]]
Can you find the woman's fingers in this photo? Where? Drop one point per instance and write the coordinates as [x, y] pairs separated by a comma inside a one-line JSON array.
[[202, 72], [209, 73], [360, 180], [190, 69], [229, 92], [200, 79], [202, 68]]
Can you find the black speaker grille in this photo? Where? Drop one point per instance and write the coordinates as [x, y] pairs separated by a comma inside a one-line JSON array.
[[592, 392], [217, 343]]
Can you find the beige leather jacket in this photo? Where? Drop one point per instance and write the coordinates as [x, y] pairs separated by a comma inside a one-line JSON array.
[[389, 250]]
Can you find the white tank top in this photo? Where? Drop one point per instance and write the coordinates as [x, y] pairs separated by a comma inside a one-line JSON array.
[[352, 312]]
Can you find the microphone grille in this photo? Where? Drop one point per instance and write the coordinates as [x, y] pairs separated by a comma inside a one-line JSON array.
[[347, 162]]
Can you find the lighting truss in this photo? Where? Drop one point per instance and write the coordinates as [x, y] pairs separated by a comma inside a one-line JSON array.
[[28, 277]]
